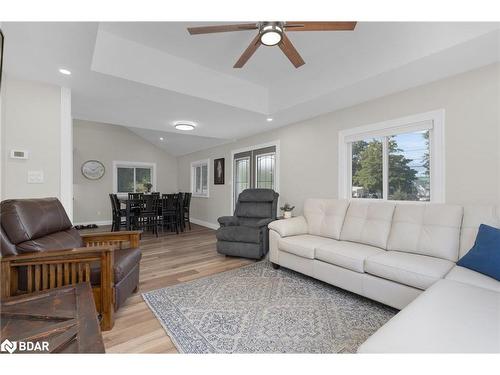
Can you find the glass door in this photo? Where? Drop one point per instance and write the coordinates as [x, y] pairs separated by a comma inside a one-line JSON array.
[[254, 169]]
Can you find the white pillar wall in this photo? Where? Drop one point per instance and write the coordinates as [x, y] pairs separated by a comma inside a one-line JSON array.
[[36, 118], [66, 190]]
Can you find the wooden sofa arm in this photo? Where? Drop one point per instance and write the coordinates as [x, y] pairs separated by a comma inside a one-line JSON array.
[[52, 269], [112, 238]]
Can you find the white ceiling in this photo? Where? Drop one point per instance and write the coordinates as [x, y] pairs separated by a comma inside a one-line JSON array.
[[147, 75]]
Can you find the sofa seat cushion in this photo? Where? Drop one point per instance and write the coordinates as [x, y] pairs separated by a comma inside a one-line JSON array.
[[467, 276], [238, 234], [125, 261], [449, 317], [304, 245], [346, 254], [418, 271], [66, 239]]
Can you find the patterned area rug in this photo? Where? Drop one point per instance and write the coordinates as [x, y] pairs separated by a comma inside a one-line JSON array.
[[256, 309]]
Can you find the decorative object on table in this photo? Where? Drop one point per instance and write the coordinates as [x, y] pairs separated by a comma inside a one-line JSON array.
[[256, 309], [1, 55], [93, 169], [287, 210], [219, 171], [246, 234], [148, 186], [59, 320]]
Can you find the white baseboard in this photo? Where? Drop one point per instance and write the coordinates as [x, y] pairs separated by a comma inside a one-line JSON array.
[[205, 223], [103, 222]]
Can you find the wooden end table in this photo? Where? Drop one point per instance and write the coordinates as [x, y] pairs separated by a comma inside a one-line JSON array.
[[65, 318]]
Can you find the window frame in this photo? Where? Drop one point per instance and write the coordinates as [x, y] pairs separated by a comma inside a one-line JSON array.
[[194, 165], [434, 121], [132, 164]]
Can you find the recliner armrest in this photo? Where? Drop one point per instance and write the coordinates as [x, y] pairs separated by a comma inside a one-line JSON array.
[[290, 227], [261, 223], [226, 221]]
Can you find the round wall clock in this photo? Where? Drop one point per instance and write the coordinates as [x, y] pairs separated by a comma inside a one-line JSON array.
[[93, 169]]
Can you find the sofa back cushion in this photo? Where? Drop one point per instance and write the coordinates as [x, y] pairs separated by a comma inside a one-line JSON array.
[[427, 229], [325, 216], [36, 225], [368, 223], [474, 216]]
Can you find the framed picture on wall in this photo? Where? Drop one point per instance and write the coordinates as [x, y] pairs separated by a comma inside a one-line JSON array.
[[219, 171], [1, 56]]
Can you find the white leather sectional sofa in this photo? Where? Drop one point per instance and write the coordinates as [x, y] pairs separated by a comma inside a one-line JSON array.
[[402, 255]]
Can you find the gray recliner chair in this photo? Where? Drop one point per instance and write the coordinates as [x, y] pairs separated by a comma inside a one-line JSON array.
[[245, 234]]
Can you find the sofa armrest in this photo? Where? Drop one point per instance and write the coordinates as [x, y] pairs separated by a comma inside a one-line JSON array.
[[226, 221], [290, 227]]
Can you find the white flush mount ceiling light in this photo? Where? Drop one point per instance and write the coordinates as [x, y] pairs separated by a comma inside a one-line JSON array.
[[271, 33], [184, 125], [162, 139], [66, 72], [269, 119]]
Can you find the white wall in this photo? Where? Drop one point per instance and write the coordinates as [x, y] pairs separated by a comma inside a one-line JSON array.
[[106, 143], [309, 148], [31, 121]]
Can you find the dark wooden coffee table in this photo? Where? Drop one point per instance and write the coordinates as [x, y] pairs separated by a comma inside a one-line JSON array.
[[65, 318]]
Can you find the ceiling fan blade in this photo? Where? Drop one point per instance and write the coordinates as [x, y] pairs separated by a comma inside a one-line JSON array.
[[289, 50], [319, 26], [221, 28], [245, 56]]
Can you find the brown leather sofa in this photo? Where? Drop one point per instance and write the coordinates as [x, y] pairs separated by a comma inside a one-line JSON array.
[[31, 226]]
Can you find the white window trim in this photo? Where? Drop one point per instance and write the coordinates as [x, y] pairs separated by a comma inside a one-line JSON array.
[[193, 165], [403, 124], [276, 144], [131, 164]]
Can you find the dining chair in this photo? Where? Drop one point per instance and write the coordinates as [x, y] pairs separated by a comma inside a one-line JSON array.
[[186, 202], [147, 217], [170, 212], [119, 215]]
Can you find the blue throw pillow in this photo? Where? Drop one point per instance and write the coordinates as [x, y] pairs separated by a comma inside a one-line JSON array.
[[484, 257]]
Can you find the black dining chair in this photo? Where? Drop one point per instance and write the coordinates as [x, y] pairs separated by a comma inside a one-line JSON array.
[[147, 217], [186, 202], [170, 212], [119, 215]]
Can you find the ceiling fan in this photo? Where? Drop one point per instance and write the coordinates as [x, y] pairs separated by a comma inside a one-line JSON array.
[[273, 33]]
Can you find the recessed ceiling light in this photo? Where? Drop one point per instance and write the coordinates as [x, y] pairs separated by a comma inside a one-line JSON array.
[[184, 125], [269, 119], [162, 139], [66, 72]]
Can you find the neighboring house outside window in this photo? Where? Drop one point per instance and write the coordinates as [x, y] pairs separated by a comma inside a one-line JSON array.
[[131, 177], [199, 178], [399, 160]]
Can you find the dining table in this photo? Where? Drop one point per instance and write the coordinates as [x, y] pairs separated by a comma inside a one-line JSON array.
[[125, 203]]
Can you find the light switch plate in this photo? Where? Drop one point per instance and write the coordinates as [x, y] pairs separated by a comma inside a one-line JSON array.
[[35, 177]]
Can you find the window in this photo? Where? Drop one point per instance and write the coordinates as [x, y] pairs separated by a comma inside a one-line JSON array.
[[199, 178], [132, 177], [254, 168], [401, 160]]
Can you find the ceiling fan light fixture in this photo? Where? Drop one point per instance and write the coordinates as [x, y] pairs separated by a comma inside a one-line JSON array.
[[271, 35]]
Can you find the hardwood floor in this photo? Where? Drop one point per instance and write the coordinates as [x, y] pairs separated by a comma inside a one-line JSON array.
[[167, 260]]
